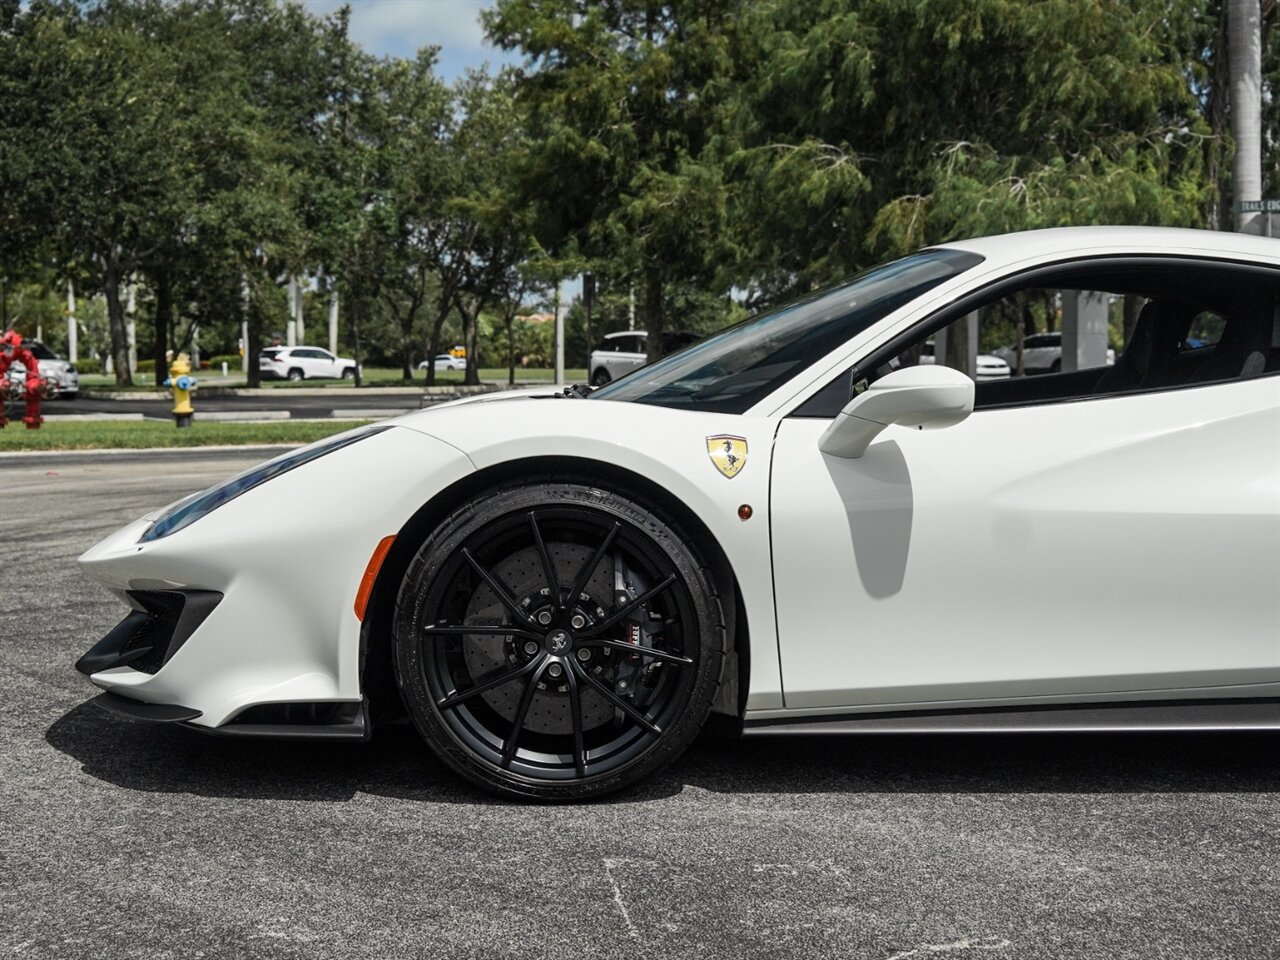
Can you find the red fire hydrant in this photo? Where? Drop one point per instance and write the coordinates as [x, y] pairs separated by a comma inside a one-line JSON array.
[[11, 350]]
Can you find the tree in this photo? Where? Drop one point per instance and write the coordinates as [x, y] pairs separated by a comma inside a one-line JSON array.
[[623, 100], [866, 130]]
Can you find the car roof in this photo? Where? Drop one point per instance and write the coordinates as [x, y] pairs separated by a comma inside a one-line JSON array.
[[1011, 247]]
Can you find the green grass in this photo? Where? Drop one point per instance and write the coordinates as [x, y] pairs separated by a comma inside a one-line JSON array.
[[373, 377], [109, 434]]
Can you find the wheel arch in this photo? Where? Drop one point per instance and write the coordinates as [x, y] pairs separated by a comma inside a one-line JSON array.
[[377, 676]]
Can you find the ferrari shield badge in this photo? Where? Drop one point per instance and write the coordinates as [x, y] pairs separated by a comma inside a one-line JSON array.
[[729, 454]]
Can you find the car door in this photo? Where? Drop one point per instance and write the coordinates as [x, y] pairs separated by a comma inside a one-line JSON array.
[[326, 363], [1109, 545]]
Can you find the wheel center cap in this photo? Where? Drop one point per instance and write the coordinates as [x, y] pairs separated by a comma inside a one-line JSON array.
[[558, 642]]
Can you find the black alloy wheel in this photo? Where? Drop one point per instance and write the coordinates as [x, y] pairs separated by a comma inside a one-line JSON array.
[[556, 641], [600, 377]]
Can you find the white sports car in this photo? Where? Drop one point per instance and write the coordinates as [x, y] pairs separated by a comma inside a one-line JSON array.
[[559, 589]]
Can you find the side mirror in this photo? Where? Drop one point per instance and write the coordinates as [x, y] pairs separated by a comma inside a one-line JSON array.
[[926, 397]]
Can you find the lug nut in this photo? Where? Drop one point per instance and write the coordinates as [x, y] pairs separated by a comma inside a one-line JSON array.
[[555, 670], [544, 617], [530, 647], [584, 654], [578, 621], [622, 684]]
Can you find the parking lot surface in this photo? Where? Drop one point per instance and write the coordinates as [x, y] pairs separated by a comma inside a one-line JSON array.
[[119, 839]]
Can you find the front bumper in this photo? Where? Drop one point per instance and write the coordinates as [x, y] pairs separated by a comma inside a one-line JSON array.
[[253, 604]]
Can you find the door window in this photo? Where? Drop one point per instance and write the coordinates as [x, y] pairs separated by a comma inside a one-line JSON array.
[[1092, 331]]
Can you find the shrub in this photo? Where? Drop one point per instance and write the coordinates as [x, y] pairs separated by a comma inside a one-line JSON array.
[[89, 365]]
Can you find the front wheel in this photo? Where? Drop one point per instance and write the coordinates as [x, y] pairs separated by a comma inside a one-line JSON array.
[[348, 373], [556, 641], [600, 377]]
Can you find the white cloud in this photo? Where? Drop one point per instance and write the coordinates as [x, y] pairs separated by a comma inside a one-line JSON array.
[[400, 27]]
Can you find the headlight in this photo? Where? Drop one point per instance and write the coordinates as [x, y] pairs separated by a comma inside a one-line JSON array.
[[187, 511]]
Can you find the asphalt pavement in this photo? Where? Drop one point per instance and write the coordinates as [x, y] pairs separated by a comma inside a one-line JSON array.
[[119, 839]]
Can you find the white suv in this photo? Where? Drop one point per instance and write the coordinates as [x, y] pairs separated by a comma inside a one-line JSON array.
[[304, 363], [620, 353]]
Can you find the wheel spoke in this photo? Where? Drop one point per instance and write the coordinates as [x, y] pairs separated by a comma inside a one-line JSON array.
[[548, 568], [575, 714], [650, 652], [498, 587], [627, 607], [617, 701], [476, 628], [585, 573], [488, 683], [517, 722]]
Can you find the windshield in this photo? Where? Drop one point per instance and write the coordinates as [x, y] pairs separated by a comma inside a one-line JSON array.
[[736, 368]]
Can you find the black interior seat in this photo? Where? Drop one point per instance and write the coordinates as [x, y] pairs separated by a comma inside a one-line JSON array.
[[1241, 352], [1150, 358]]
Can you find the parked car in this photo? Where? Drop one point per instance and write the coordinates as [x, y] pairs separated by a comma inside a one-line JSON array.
[[1041, 353], [620, 353], [559, 587], [446, 361], [52, 367], [988, 367], [304, 363]]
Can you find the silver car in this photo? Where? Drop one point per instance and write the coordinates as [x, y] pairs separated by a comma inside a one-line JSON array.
[[620, 353], [57, 369]]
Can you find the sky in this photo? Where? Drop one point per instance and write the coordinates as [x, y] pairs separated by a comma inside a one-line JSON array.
[[398, 28]]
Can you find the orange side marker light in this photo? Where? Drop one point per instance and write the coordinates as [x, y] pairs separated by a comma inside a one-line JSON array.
[[371, 574]]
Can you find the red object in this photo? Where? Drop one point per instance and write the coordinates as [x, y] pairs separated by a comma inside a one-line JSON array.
[[11, 349]]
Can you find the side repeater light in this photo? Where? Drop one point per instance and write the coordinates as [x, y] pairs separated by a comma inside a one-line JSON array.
[[370, 575]]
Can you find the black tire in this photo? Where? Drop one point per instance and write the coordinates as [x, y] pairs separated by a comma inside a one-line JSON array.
[[69, 395], [492, 706], [600, 377], [348, 373], [295, 374]]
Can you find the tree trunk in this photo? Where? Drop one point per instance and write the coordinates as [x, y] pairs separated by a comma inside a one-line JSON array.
[[653, 318], [1244, 46], [115, 317], [511, 351], [253, 343], [470, 340], [164, 323]]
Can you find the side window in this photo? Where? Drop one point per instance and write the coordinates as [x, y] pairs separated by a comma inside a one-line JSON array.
[[1099, 330]]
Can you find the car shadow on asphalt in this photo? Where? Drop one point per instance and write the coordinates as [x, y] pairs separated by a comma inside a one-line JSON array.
[[395, 763]]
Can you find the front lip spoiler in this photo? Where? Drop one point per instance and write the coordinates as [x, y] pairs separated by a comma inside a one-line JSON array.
[[351, 722], [137, 710]]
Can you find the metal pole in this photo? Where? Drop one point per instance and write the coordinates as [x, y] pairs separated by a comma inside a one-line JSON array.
[[131, 327], [333, 322], [71, 323], [1244, 53], [291, 327]]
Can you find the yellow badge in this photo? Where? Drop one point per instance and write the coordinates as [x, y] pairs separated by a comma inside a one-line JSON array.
[[729, 454]]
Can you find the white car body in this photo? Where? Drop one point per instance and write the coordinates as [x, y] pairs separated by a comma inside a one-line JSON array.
[[1131, 543], [445, 362], [617, 354], [304, 363]]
